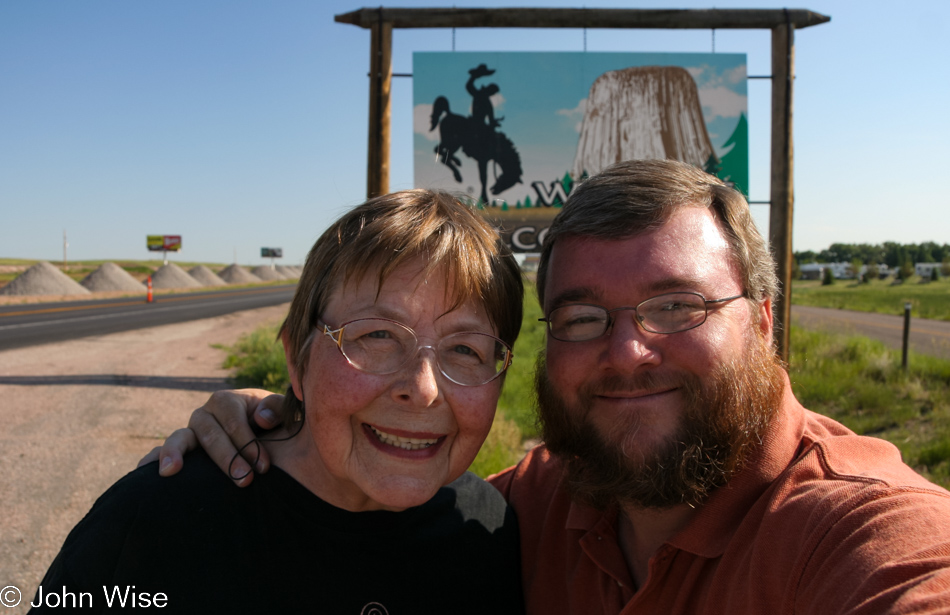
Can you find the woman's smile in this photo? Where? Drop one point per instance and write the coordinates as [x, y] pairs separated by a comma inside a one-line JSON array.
[[390, 439]]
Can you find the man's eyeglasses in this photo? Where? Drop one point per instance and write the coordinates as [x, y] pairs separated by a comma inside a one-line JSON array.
[[383, 346], [667, 313]]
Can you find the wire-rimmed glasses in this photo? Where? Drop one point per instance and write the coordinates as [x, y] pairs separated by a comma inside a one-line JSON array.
[[382, 346], [666, 313]]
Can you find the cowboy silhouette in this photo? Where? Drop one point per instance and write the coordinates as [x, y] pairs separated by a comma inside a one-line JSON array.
[[482, 107], [476, 136]]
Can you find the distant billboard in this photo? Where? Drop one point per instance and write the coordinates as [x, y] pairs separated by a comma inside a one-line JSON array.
[[163, 243], [272, 252], [516, 131]]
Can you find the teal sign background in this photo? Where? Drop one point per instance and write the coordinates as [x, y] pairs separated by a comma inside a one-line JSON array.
[[541, 99]]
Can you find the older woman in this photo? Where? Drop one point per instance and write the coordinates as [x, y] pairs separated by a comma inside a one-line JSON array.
[[397, 341]]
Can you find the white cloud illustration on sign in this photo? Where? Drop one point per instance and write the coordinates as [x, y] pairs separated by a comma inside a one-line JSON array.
[[421, 115], [721, 102], [576, 114], [716, 91]]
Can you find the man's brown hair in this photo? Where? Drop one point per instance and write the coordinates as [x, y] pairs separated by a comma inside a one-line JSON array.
[[633, 197]]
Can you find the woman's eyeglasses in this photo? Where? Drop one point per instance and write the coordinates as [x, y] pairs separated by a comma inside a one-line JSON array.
[[383, 346]]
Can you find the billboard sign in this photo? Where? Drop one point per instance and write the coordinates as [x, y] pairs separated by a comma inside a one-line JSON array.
[[163, 243], [272, 252], [515, 131]]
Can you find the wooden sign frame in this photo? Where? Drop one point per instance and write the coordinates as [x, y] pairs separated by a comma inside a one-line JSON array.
[[782, 22]]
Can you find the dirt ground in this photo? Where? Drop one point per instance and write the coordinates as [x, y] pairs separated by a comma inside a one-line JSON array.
[[77, 416]]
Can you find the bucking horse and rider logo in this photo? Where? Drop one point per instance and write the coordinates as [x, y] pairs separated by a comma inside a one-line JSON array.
[[477, 136]]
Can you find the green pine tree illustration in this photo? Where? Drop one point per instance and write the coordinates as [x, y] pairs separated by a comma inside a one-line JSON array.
[[567, 183], [734, 167]]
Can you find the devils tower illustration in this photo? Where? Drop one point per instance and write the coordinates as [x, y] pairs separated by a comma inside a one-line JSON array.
[[646, 112]]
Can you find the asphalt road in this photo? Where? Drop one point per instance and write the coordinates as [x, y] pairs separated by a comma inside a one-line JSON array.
[[41, 323], [929, 337]]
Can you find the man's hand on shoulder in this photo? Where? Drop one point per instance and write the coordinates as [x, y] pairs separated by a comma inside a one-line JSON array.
[[221, 426]]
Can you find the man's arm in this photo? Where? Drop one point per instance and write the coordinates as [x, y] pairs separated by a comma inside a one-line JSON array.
[[888, 553], [220, 426]]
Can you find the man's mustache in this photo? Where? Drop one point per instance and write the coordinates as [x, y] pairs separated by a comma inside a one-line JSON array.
[[632, 383]]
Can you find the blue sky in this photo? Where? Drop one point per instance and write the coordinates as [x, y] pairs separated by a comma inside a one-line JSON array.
[[241, 124]]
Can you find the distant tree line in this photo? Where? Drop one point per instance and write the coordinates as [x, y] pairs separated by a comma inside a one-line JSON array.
[[890, 253]]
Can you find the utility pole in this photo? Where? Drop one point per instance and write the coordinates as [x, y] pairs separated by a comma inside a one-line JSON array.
[[65, 245]]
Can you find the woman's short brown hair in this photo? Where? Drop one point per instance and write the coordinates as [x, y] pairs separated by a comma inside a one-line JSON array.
[[390, 230]]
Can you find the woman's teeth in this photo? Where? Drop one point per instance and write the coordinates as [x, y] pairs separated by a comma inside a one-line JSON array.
[[410, 444]]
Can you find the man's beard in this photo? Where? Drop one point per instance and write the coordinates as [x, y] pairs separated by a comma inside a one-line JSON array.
[[722, 423]]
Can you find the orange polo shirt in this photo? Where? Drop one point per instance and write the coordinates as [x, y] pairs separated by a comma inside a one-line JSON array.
[[821, 521]]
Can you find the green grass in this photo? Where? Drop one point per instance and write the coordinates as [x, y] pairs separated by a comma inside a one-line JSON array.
[[516, 418], [929, 299], [258, 361], [503, 447], [517, 397], [859, 382], [17, 261]]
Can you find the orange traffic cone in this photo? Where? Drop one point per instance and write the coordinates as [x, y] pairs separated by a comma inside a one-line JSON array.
[[149, 299]]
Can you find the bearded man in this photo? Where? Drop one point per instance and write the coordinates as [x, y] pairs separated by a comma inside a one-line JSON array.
[[679, 473]]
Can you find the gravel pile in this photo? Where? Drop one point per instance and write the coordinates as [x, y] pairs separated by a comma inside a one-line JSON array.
[[43, 279], [173, 276], [111, 277], [264, 272], [235, 274], [205, 276], [289, 273]]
